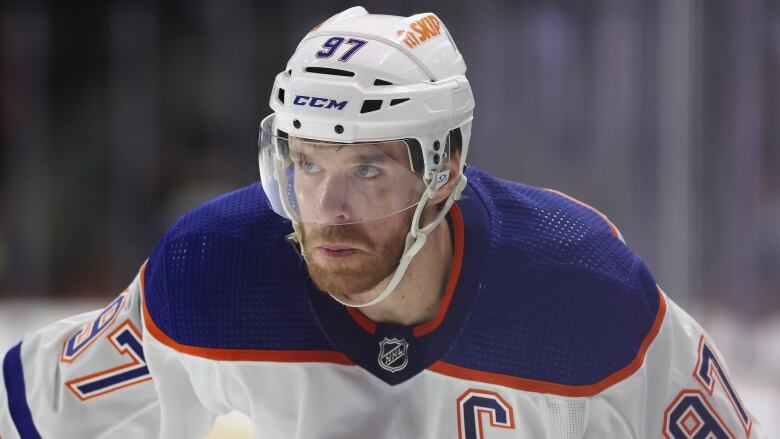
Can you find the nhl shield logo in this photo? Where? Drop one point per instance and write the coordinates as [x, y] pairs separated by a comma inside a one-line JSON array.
[[392, 354]]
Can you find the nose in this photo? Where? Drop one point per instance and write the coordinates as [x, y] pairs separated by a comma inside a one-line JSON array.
[[332, 204]]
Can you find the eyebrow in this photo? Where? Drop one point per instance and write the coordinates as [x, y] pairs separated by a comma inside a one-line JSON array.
[[370, 158], [378, 157]]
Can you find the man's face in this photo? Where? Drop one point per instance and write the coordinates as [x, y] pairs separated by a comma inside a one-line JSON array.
[[354, 202], [352, 183], [348, 259]]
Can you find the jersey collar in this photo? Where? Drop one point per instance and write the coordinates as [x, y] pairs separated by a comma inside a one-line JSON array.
[[392, 352]]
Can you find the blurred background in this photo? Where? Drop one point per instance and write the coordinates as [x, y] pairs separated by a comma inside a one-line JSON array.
[[116, 117]]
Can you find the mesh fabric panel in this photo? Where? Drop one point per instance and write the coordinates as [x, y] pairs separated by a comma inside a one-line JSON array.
[[562, 300], [224, 276], [567, 417]]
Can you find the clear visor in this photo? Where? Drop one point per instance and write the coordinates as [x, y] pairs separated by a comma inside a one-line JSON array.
[[329, 183]]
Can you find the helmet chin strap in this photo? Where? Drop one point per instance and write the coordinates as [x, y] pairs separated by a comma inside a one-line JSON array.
[[415, 240]]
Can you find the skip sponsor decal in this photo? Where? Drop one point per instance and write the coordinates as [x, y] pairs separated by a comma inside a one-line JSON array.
[[420, 31]]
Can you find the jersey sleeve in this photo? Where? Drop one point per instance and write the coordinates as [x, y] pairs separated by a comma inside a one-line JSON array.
[[89, 376], [682, 390], [692, 393], [678, 386], [83, 376], [187, 386]]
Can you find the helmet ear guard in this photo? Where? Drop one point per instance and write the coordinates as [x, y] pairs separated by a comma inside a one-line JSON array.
[[359, 79]]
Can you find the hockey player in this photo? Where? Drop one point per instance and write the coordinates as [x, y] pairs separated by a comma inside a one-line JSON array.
[[465, 306]]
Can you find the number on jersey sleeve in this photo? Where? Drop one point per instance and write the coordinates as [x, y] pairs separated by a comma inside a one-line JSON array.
[[126, 340], [691, 414]]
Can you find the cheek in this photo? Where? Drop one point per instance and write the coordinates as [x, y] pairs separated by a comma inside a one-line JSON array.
[[303, 191], [392, 230]]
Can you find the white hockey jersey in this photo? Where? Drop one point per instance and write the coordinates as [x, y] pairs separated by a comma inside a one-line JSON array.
[[549, 328]]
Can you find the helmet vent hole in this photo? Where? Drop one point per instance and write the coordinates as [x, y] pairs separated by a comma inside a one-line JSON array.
[[329, 71], [398, 101], [280, 95], [382, 82], [371, 105]]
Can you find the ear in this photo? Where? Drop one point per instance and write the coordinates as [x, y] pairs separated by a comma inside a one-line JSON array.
[[446, 190]]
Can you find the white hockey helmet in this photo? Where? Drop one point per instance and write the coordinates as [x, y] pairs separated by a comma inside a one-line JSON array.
[[367, 89]]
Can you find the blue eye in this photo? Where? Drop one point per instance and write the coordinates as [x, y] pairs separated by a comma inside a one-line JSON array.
[[309, 167], [367, 171]]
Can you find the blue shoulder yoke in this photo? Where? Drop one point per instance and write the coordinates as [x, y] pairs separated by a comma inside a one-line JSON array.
[[224, 276], [562, 299]]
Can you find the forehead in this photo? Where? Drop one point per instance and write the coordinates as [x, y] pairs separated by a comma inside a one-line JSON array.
[[391, 150]]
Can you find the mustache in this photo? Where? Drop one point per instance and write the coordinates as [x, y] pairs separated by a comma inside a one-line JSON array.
[[347, 235]]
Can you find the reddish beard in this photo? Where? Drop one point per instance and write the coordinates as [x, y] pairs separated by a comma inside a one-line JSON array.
[[363, 271]]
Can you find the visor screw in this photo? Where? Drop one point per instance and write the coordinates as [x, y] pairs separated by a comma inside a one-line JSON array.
[[436, 159], [339, 129], [297, 123], [436, 145]]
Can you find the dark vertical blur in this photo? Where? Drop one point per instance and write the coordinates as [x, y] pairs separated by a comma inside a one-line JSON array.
[[117, 117], [26, 207], [134, 72]]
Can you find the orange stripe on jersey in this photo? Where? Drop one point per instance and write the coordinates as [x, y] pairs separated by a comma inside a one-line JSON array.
[[612, 227], [457, 262], [538, 386], [367, 324], [237, 354], [452, 282]]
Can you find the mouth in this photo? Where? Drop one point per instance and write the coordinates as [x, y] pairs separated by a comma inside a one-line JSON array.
[[337, 250]]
